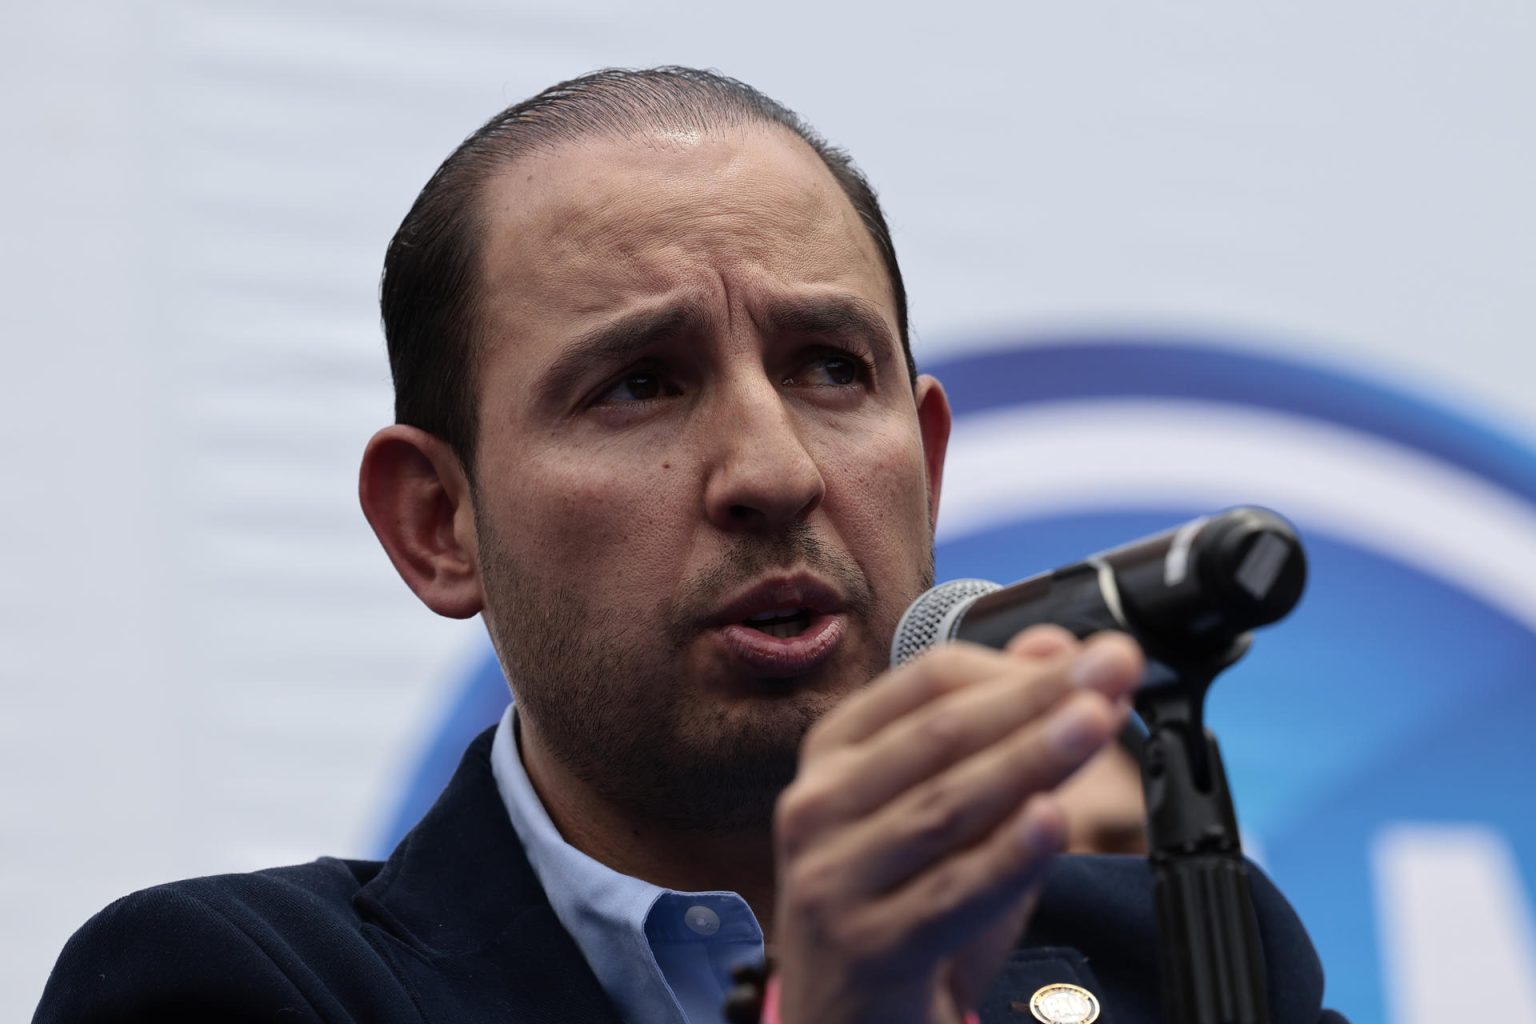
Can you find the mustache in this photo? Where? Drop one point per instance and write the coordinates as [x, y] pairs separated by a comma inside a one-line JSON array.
[[795, 547]]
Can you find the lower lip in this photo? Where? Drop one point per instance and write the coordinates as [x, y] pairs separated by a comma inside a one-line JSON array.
[[783, 657]]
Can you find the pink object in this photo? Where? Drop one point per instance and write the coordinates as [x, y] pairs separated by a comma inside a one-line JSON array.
[[771, 1004], [771, 1001]]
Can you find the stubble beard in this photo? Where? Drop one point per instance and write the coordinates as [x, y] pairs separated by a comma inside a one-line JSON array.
[[606, 700]]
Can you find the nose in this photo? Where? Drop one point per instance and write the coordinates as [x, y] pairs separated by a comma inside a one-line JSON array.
[[763, 476]]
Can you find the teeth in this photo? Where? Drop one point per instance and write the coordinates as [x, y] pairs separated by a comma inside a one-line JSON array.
[[780, 622], [777, 613]]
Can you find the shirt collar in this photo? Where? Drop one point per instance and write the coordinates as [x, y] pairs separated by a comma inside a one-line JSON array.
[[610, 915]]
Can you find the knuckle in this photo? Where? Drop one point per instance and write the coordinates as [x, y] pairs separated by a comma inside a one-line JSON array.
[[804, 806], [944, 732], [808, 891], [935, 818], [1043, 676], [793, 814], [945, 893]]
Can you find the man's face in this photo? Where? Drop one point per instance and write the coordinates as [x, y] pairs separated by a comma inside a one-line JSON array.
[[704, 482]]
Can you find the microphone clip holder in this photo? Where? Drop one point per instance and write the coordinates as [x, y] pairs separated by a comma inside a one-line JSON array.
[[1212, 961]]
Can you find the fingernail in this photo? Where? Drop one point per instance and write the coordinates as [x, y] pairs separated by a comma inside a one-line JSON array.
[[1035, 834], [1096, 667], [1035, 840], [1074, 731]]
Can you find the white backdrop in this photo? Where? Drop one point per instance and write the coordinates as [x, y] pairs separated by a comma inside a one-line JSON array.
[[207, 665]]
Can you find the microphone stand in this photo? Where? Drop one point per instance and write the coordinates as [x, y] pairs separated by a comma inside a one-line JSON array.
[[1211, 957]]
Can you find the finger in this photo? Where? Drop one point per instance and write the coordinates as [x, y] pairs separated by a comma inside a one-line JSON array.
[[937, 672], [843, 785], [974, 968], [1045, 641], [949, 906], [1110, 663], [852, 783], [952, 810]]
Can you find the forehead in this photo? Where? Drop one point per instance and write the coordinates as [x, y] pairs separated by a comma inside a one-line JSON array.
[[584, 228]]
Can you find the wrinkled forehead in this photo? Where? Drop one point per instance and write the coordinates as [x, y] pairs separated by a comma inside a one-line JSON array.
[[635, 211], [580, 178]]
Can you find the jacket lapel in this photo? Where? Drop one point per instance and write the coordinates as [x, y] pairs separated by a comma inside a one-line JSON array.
[[461, 915], [1027, 972]]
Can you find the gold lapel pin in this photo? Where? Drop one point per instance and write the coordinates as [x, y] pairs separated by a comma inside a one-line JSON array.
[[1062, 1003]]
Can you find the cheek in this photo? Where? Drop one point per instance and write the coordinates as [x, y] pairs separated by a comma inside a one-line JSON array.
[[880, 491], [586, 517]]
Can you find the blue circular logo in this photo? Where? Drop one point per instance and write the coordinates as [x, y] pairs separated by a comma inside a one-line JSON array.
[[1377, 740]]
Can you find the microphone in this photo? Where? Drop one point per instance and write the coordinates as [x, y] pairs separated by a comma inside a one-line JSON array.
[[1189, 596], [1188, 593]]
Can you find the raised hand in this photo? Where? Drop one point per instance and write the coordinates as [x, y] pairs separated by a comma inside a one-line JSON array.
[[912, 843]]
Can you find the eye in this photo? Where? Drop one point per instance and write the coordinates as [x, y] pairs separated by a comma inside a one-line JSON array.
[[639, 386], [831, 370]]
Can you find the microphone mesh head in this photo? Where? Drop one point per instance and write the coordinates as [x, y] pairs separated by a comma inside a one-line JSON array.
[[918, 629]]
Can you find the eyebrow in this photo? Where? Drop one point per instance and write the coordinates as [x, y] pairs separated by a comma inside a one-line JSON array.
[[627, 336], [614, 343], [834, 316]]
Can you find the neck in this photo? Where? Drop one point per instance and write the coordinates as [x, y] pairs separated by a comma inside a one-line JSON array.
[[642, 847]]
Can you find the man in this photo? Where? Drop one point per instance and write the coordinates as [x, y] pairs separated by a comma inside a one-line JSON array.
[[658, 423]]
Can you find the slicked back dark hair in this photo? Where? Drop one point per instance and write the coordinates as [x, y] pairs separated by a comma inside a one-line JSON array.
[[429, 295]]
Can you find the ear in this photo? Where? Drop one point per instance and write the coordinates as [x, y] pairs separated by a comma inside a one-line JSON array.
[[415, 494], [933, 421]]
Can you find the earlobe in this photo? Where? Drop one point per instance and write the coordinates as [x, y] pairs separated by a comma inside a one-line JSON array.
[[415, 494], [933, 420]]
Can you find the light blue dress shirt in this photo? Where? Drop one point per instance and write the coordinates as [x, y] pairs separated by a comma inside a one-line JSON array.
[[663, 957]]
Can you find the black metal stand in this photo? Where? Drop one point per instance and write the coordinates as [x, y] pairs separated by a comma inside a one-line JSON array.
[[1212, 961]]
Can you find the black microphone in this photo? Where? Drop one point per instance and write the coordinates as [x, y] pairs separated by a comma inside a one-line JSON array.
[[1189, 596], [1188, 593]]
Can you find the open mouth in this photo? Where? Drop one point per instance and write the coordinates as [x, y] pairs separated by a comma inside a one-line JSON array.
[[782, 628], [781, 622]]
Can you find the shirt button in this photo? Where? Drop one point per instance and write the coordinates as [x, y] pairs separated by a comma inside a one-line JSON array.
[[702, 920]]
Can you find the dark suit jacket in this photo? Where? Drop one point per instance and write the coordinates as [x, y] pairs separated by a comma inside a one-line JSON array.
[[454, 927]]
